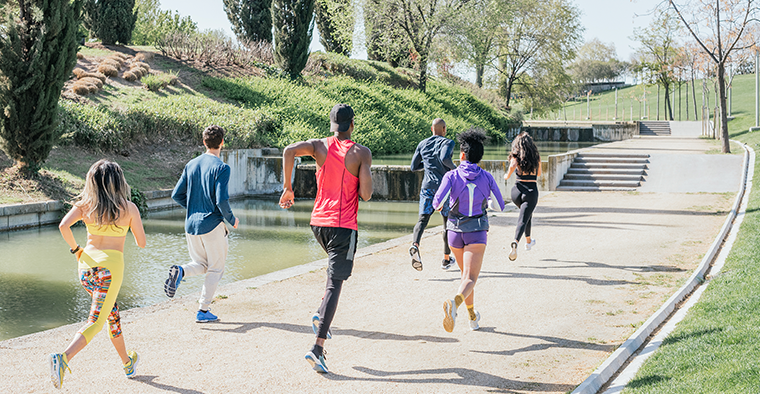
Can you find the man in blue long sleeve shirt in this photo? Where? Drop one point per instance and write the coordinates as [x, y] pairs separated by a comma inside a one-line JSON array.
[[433, 154], [202, 191]]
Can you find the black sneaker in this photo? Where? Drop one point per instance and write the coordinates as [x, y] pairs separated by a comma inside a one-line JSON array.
[[448, 263]]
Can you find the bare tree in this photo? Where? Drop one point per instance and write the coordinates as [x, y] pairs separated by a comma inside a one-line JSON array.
[[719, 28]]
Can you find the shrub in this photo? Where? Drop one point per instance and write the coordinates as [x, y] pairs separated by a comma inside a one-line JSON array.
[[144, 56], [108, 70], [138, 72], [129, 76], [111, 62], [93, 81], [78, 72], [144, 65], [97, 75], [112, 21], [80, 89], [80, 56]]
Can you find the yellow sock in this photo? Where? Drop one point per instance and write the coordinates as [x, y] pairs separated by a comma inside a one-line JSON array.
[[459, 299], [471, 310]]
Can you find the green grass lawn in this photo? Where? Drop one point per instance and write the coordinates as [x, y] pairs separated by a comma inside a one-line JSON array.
[[716, 348]]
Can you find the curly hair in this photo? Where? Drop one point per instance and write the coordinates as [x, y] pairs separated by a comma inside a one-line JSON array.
[[471, 143], [526, 153]]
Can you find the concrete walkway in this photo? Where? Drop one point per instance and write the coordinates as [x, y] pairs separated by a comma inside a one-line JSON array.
[[604, 262]]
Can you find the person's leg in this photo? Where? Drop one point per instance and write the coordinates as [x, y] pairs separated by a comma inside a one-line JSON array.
[[473, 260], [328, 308], [419, 228], [529, 201], [532, 198], [216, 247], [114, 329], [446, 248], [198, 264]]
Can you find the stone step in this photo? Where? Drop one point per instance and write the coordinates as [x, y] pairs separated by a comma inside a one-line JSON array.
[[614, 155], [574, 183], [601, 171], [603, 177], [609, 166], [595, 189], [611, 160]]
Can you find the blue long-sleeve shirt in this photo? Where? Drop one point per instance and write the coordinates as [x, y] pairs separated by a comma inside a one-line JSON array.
[[433, 154], [202, 191]]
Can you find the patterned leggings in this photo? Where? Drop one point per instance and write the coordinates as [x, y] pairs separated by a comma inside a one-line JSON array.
[[97, 282]]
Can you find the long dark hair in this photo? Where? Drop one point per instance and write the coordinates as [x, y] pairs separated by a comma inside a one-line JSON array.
[[526, 153]]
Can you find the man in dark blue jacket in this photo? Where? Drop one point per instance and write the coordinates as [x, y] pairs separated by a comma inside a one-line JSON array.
[[202, 191], [433, 154]]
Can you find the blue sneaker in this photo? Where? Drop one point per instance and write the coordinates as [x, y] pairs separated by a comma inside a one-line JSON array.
[[315, 325], [317, 363], [205, 317], [176, 273]]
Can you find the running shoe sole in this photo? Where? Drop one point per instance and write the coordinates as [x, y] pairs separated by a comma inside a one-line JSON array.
[[416, 260], [513, 253], [171, 284], [315, 326], [450, 315], [316, 364]]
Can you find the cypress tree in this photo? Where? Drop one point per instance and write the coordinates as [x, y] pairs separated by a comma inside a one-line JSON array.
[[251, 19], [384, 40], [293, 22], [111, 21], [335, 21], [37, 53]]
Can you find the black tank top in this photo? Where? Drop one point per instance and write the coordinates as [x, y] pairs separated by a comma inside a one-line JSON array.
[[526, 177]]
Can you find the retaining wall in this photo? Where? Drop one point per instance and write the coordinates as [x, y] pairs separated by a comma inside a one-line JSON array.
[[577, 131], [18, 216]]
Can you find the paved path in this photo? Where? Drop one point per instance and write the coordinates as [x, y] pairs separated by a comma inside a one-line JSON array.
[[604, 262]]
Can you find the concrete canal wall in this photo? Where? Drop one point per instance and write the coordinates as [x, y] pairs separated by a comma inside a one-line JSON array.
[[577, 131]]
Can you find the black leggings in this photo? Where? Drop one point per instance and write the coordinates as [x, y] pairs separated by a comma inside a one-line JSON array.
[[329, 306], [419, 228], [525, 196]]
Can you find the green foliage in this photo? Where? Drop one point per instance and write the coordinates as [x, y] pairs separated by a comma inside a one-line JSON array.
[[335, 64], [156, 82], [597, 62], [251, 19], [385, 41], [153, 23], [37, 53], [387, 120], [138, 198], [335, 20], [111, 21], [293, 24]]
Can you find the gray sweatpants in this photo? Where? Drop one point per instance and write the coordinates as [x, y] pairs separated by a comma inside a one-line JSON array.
[[208, 252]]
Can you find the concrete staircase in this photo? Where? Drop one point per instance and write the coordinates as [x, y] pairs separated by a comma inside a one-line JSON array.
[[654, 127], [605, 172]]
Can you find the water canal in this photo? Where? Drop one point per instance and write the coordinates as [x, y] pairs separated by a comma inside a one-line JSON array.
[[39, 288]]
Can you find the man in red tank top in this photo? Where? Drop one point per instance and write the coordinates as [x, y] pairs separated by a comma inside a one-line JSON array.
[[343, 175]]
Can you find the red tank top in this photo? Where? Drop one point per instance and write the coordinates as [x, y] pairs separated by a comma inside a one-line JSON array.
[[337, 199]]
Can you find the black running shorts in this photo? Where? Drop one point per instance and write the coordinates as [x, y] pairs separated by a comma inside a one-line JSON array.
[[340, 245]]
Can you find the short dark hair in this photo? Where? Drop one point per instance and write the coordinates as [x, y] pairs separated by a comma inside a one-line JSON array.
[[213, 137], [471, 143]]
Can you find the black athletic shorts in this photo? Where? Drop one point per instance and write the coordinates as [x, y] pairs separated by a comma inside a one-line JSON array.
[[340, 245]]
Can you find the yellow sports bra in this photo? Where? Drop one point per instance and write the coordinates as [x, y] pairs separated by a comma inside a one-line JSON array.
[[108, 231]]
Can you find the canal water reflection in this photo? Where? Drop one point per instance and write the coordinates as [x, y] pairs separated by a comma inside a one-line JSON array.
[[39, 288]]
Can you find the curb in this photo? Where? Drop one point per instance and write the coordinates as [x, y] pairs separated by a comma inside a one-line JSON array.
[[615, 362]]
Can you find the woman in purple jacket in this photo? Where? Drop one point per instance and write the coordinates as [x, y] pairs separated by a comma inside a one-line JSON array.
[[467, 188]]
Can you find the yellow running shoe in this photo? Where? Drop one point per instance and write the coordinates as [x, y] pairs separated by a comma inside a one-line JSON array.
[[58, 367], [130, 367]]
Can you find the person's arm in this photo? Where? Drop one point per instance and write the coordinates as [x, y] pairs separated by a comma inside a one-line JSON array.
[[417, 160], [538, 171], [512, 167], [179, 194], [446, 158], [365, 175], [289, 154], [135, 224], [223, 197], [442, 193], [73, 216]]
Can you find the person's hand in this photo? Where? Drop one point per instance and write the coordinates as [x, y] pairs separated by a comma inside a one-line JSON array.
[[506, 177], [237, 221], [286, 200]]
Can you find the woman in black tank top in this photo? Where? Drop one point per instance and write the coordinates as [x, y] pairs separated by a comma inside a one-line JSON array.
[[525, 162]]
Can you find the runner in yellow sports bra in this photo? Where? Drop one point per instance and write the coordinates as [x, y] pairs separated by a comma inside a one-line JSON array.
[[104, 208]]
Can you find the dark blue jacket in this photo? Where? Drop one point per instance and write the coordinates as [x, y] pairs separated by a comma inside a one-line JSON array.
[[433, 154]]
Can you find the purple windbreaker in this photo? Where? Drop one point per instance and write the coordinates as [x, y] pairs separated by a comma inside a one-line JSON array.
[[467, 188]]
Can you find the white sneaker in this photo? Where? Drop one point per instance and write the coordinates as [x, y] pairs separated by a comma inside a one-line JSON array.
[[530, 245], [450, 315], [513, 253], [474, 323]]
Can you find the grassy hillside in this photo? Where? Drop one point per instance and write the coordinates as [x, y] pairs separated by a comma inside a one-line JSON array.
[[152, 133]]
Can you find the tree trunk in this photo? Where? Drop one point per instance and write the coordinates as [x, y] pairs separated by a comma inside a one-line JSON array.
[[423, 72], [694, 96], [507, 90], [479, 68], [723, 113], [668, 105]]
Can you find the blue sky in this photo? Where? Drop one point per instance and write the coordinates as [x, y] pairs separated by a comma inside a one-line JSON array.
[[608, 20]]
